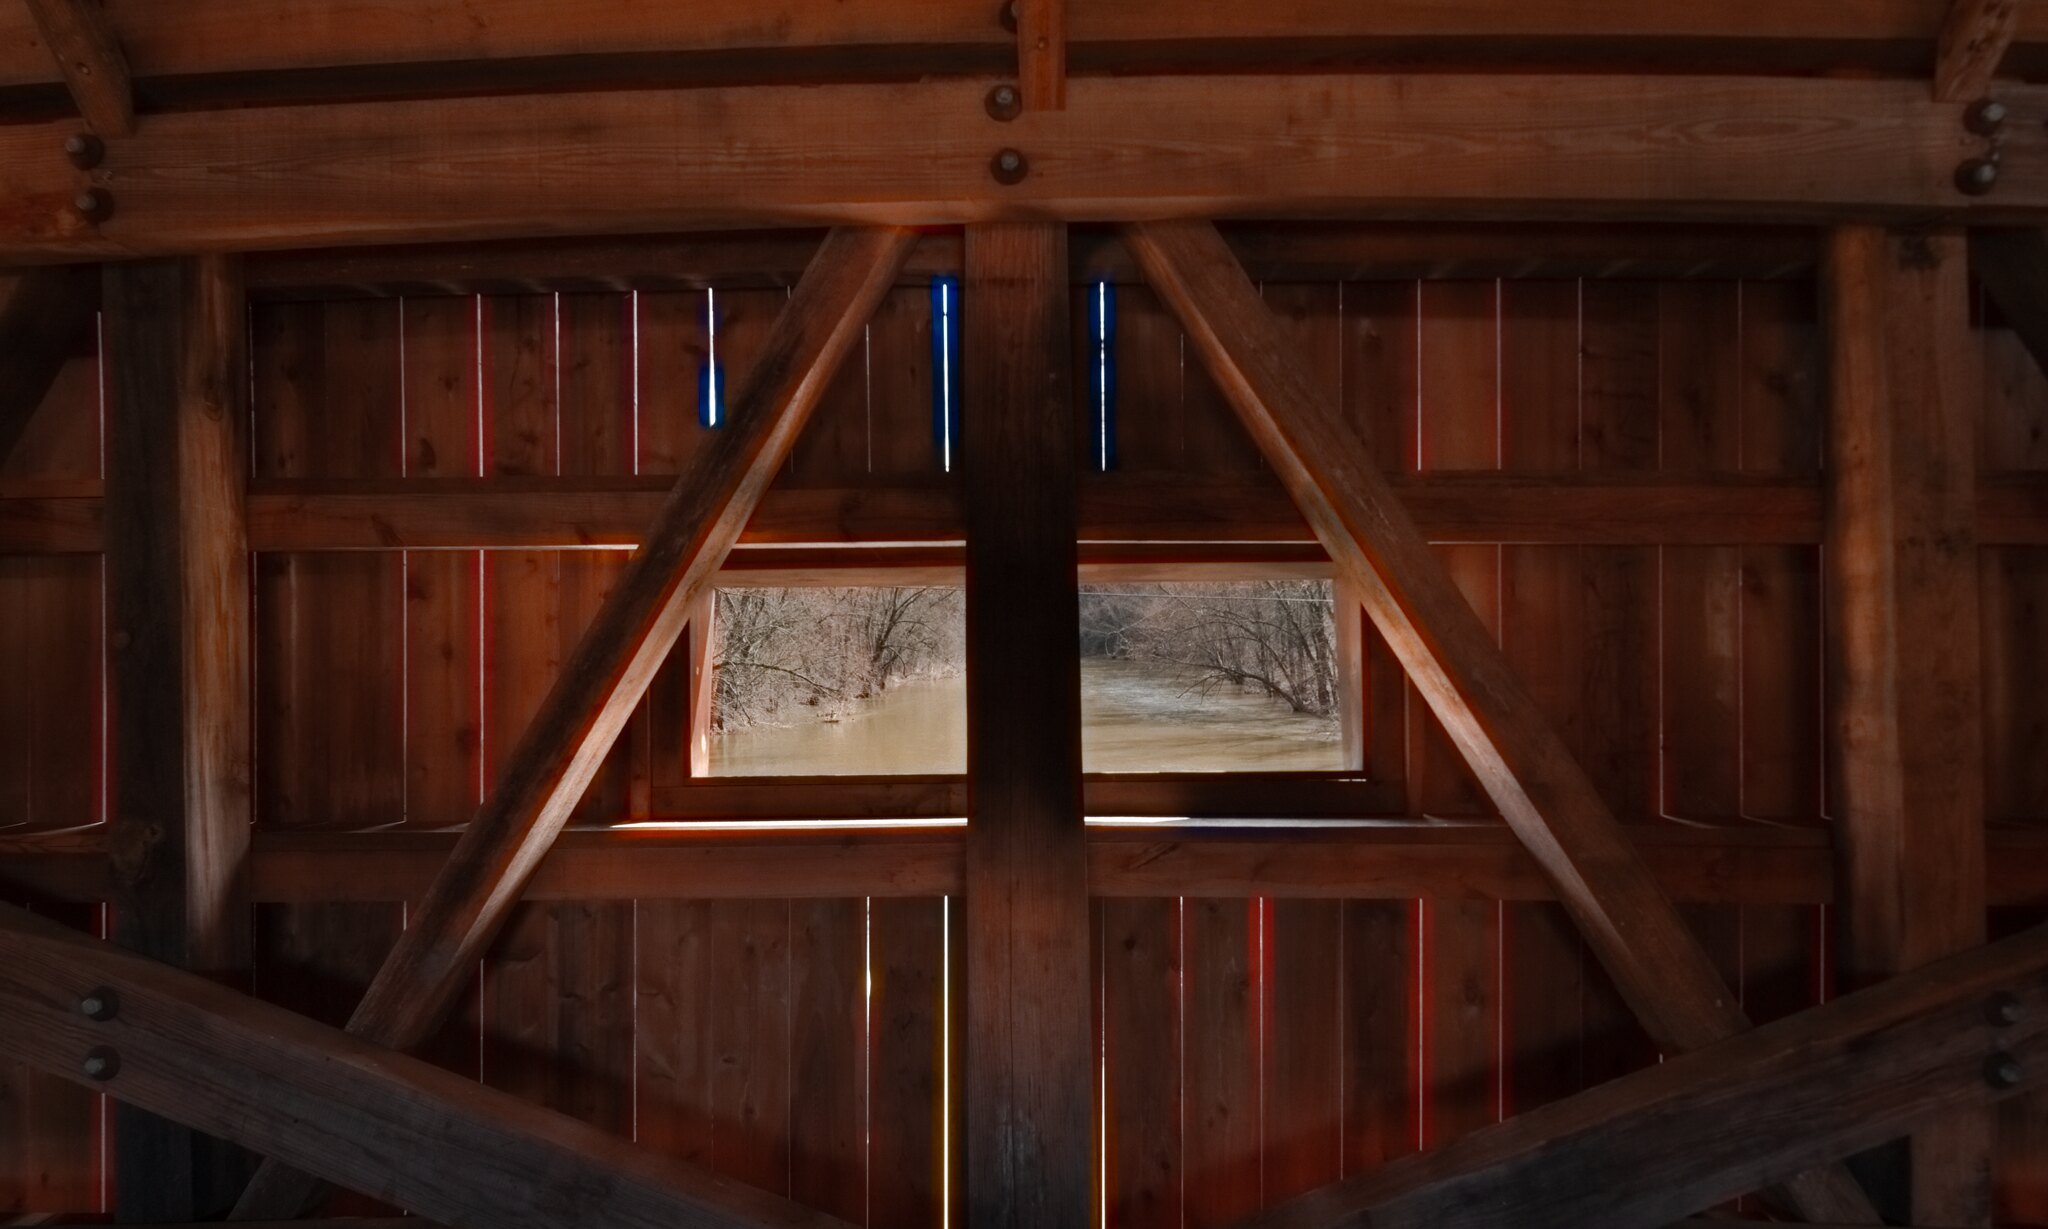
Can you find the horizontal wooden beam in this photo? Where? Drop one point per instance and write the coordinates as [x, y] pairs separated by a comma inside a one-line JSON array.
[[200, 49], [1391, 859], [369, 1119], [1125, 148], [1657, 1145], [1270, 251], [1125, 520], [1253, 795]]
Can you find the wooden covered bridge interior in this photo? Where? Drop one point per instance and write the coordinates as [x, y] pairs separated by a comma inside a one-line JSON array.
[[388, 388]]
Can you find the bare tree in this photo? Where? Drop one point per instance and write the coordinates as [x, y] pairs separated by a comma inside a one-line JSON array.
[[789, 654], [1279, 637]]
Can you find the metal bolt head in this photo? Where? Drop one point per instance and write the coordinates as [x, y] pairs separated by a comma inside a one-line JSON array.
[[1004, 103], [94, 204], [1985, 116], [100, 1003], [1008, 167], [84, 150], [1006, 16], [1976, 176], [102, 1063], [2003, 1009], [2002, 1070]]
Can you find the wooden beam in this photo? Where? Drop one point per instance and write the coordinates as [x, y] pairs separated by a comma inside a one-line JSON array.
[[184, 50], [1126, 521], [1904, 669], [1028, 1074], [43, 314], [1125, 148], [178, 626], [1042, 53], [1655, 1146], [82, 42], [391, 1126], [605, 676], [1541, 791], [1974, 39], [1388, 860], [2013, 266], [1271, 251], [1201, 795]]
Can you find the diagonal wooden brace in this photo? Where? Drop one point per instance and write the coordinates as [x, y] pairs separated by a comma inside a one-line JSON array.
[[371, 1119], [1525, 768], [610, 669]]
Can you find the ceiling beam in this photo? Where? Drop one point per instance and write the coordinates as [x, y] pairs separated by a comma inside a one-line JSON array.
[[1451, 658], [395, 1127], [81, 40], [588, 704], [197, 41], [1125, 148], [1974, 40], [1650, 1148], [43, 314]]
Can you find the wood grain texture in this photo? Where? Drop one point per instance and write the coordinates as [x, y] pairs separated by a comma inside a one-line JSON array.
[[1655, 1146], [1027, 1069], [208, 37], [603, 680], [1905, 665], [178, 619], [1530, 776], [81, 37], [370, 1118], [1125, 148], [1974, 39]]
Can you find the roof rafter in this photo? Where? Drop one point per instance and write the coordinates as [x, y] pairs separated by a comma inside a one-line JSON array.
[[87, 53], [1974, 41]]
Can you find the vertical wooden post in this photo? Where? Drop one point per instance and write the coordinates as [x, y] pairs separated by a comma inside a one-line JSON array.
[[703, 681], [1906, 711], [1349, 612], [178, 622], [1026, 1063]]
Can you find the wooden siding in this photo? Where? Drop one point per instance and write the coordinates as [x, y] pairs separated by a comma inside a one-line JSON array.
[[1249, 1048]]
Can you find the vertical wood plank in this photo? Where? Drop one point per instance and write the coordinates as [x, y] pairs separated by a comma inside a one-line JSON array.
[[178, 618], [1903, 655], [749, 985], [907, 1080], [1223, 1061], [829, 1052], [1027, 1059], [1142, 1032], [1381, 1007]]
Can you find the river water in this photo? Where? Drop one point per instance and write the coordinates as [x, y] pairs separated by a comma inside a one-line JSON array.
[[1135, 717]]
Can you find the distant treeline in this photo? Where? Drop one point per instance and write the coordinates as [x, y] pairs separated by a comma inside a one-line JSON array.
[[791, 655], [1278, 637]]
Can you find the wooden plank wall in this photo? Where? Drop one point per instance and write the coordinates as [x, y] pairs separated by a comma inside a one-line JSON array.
[[1249, 1049]]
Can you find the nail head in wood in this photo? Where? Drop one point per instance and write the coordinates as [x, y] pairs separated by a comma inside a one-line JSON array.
[[84, 150], [2002, 1070], [1008, 166], [1985, 116], [94, 204], [2003, 1009], [1976, 176], [102, 1063], [1005, 103], [99, 1004]]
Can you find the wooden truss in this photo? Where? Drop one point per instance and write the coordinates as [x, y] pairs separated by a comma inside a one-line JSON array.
[[1925, 1050]]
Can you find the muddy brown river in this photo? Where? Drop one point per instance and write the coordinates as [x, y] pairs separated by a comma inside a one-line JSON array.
[[1135, 717]]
